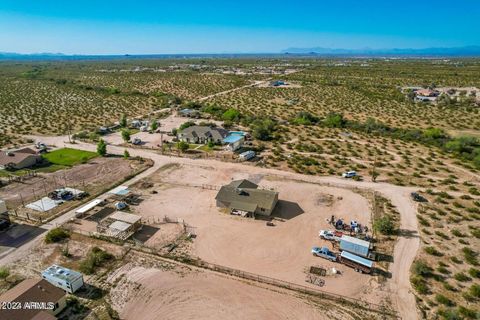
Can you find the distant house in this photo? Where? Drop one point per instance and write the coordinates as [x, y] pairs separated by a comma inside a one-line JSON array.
[[244, 196], [277, 83], [427, 93], [39, 300], [19, 159], [63, 278], [202, 134], [189, 113], [137, 124]]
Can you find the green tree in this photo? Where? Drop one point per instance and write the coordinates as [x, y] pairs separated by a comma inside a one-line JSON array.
[[123, 121], [126, 135], [262, 129], [305, 118], [182, 146], [187, 124], [102, 148], [126, 154], [384, 225], [334, 120], [56, 235], [231, 115], [154, 125]]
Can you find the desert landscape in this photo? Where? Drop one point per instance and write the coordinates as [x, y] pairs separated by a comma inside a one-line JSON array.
[[414, 187]]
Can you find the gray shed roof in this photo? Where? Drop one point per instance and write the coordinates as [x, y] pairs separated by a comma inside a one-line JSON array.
[[245, 195]]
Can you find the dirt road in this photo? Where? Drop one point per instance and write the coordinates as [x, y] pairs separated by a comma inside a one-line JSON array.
[[405, 249], [255, 83]]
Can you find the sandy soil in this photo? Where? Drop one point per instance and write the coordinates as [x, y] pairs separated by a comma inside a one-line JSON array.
[[281, 252], [199, 295]]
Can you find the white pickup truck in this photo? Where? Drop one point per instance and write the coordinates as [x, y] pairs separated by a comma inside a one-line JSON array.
[[330, 235]]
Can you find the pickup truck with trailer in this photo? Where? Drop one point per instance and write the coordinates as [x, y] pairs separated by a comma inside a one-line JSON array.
[[330, 235], [360, 264], [323, 252], [357, 246]]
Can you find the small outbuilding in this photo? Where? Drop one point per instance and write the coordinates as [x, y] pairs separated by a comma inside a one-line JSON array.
[[245, 197], [120, 225]]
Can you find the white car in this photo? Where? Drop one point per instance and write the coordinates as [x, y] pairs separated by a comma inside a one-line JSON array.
[[328, 235], [349, 174], [120, 205]]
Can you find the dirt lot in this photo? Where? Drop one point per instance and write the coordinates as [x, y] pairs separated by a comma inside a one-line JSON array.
[[92, 177], [142, 290], [281, 252]]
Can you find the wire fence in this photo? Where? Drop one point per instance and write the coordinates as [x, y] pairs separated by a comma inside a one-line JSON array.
[[197, 262]]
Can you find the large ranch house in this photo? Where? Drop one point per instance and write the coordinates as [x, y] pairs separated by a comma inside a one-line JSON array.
[[232, 140], [202, 134], [244, 198]]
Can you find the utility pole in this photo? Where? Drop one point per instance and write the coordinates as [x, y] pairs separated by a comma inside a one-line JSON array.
[[374, 172]]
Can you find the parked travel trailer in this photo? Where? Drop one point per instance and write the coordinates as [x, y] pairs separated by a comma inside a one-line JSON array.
[[360, 264], [63, 278]]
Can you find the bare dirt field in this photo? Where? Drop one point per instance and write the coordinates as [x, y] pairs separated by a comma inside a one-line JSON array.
[[145, 291], [282, 251]]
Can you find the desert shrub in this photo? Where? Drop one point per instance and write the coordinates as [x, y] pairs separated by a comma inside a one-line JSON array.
[[448, 286], [454, 259], [56, 235], [470, 256], [182, 146], [334, 120], [95, 258], [458, 233], [185, 125], [420, 268], [475, 273], [4, 272], [443, 270], [305, 118], [419, 284], [433, 251], [384, 225], [474, 290], [263, 129], [468, 313], [462, 277], [440, 298], [475, 233]]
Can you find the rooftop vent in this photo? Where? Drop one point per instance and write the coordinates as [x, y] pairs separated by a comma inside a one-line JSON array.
[[241, 192]]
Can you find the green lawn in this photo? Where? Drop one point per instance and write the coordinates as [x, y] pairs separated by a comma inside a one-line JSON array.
[[69, 157]]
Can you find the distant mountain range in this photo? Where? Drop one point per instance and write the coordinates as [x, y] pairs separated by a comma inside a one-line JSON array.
[[467, 51]]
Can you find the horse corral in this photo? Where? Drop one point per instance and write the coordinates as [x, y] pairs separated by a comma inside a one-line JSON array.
[[281, 251]]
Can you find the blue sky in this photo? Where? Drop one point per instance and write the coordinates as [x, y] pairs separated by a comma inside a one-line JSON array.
[[142, 27]]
